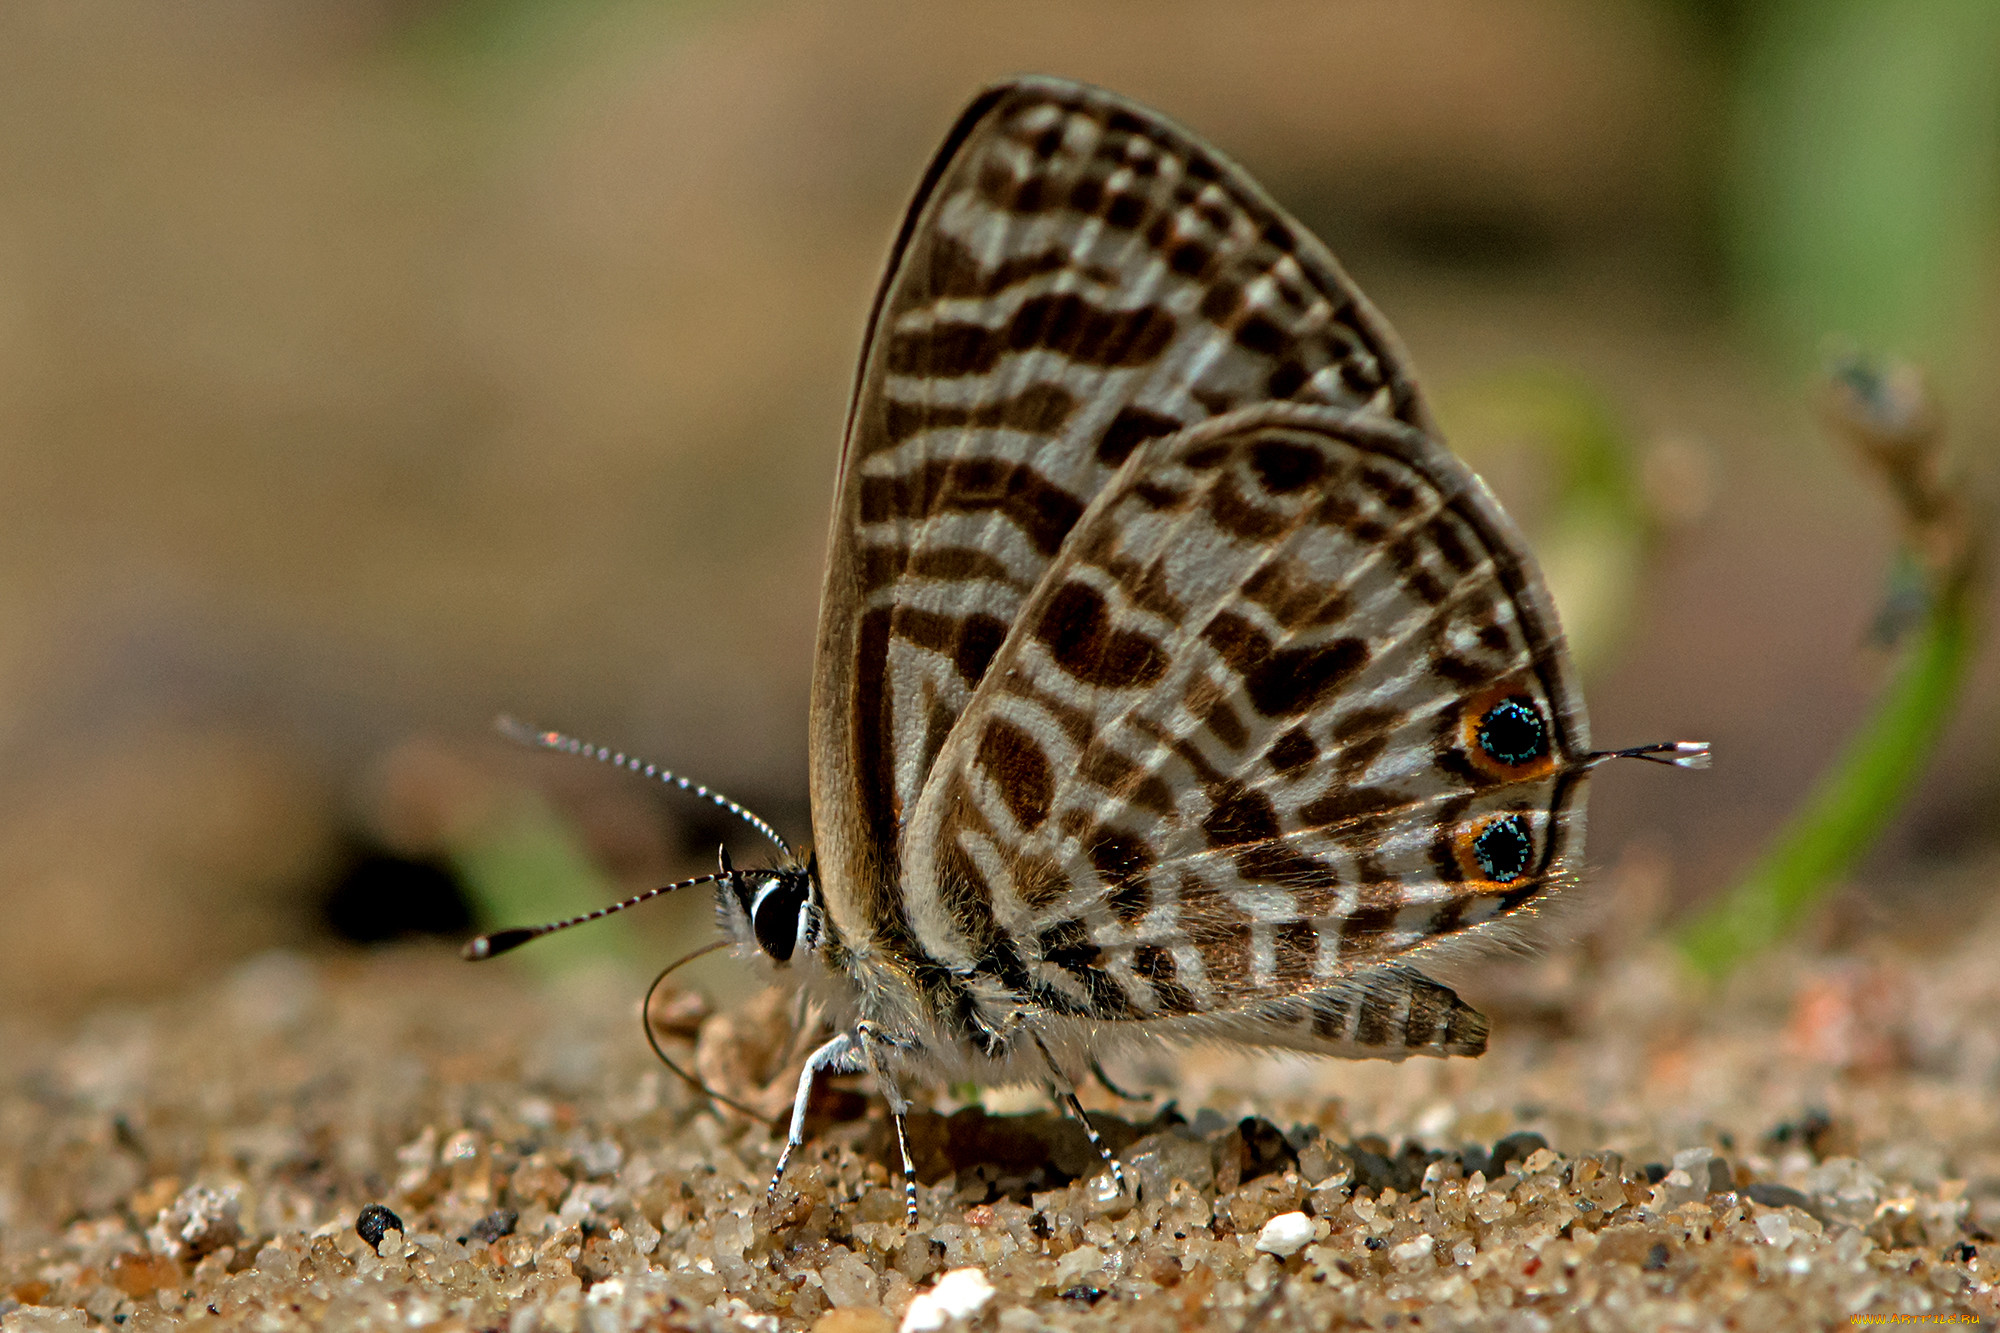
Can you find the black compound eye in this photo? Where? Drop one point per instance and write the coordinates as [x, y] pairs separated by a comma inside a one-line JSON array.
[[1504, 848], [774, 915], [1513, 732]]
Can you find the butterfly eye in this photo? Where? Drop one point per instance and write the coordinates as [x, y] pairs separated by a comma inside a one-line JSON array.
[[774, 915], [1513, 732], [1503, 849]]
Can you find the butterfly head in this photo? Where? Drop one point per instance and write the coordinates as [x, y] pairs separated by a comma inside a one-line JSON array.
[[775, 910]]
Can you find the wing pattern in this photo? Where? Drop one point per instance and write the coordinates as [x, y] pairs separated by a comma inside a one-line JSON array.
[[1170, 671], [1075, 277], [1288, 704]]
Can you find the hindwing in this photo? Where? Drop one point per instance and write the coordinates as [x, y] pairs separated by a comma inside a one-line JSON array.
[[1290, 702]]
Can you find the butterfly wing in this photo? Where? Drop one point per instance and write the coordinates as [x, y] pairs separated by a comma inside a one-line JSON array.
[[1290, 703], [1074, 278]]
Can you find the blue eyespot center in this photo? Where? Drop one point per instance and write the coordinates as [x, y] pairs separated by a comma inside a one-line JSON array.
[[1504, 848], [1513, 732]]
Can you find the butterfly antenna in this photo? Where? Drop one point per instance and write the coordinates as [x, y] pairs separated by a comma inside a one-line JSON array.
[[1680, 754], [502, 941], [652, 1040], [556, 740]]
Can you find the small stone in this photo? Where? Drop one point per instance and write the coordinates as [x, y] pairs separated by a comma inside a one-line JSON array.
[[374, 1223], [1775, 1229], [1081, 1262], [1677, 1187], [848, 1281], [1286, 1234], [495, 1225], [1515, 1148], [959, 1294], [1325, 1166], [1847, 1186], [1778, 1196], [850, 1319], [1694, 1161], [197, 1223], [599, 1157], [1265, 1148], [1412, 1251], [35, 1319], [1158, 1160], [139, 1275]]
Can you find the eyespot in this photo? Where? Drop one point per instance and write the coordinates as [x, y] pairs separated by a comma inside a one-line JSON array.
[[1501, 851], [1513, 732], [1506, 735]]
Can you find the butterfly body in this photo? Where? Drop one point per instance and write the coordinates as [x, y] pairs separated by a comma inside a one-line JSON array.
[[1174, 682]]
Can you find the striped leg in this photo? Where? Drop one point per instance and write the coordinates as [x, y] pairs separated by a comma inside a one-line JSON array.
[[842, 1055], [909, 1167], [1065, 1091], [871, 1041]]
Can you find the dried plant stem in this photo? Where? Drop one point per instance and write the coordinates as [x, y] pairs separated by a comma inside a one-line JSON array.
[[1887, 415]]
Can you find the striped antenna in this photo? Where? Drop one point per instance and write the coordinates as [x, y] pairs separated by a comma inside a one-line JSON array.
[[556, 740], [501, 941]]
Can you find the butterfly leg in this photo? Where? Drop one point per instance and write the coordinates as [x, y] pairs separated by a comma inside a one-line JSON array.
[[1065, 1090], [842, 1055], [872, 1041]]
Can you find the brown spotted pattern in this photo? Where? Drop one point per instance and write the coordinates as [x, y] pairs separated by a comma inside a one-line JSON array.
[[1152, 615], [1268, 781]]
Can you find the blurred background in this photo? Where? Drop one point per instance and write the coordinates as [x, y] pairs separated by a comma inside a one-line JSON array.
[[369, 369]]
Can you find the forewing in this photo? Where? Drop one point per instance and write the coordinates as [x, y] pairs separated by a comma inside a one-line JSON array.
[[1291, 702], [1074, 278]]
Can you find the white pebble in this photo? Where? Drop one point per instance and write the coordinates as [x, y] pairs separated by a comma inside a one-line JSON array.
[[1080, 1262], [1285, 1235], [1776, 1229], [959, 1294], [1412, 1251]]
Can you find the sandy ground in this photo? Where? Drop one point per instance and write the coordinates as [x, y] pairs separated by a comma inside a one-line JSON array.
[[1816, 1145]]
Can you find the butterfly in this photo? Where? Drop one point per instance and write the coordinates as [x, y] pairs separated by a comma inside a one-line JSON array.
[[1174, 682]]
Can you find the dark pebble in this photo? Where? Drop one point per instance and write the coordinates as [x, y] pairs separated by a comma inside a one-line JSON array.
[[1084, 1293], [1516, 1148], [1778, 1196], [1265, 1149], [1656, 1258], [1411, 1163], [1376, 1243], [1817, 1130], [1655, 1172], [1963, 1252], [374, 1223], [500, 1222], [1372, 1169]]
